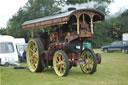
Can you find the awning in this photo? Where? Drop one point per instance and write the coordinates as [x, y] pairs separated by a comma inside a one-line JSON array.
[[61, 18]]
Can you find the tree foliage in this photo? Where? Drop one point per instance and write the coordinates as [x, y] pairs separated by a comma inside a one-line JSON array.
[[14, 24], [33, 9], [111, 29], [2, 31], [40, 8], [119, 25]]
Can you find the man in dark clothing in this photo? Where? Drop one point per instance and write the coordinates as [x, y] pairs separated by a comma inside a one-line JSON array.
[[24, 55]]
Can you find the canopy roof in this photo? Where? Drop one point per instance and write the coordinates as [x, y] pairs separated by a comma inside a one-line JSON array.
[[61, 18]]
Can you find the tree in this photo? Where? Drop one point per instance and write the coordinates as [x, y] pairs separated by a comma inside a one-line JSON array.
[[32, 10], [120, 25], [3, 31], [40, 8], [111, 29], [14, 24], [101, 34]]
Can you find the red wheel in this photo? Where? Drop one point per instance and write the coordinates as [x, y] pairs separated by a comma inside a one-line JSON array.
[[98, 58]]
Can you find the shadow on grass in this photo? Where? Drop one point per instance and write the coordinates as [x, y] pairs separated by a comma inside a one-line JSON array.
[[74, 72]]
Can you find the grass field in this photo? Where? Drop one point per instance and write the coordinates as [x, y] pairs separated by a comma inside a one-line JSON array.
[[112, 71]]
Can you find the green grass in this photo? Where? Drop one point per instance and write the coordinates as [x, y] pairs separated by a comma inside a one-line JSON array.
[[112, 71]]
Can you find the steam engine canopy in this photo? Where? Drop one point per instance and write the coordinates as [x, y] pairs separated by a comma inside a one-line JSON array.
[[62, 18]]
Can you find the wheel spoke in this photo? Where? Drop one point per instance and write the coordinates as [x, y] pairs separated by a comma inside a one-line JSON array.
[[57, 60], [63, 59], [59, 57], [89, 61], [33, 54], [59, 63], [61, 70]]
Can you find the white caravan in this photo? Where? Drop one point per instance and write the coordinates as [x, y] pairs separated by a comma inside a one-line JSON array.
[[8, 51]]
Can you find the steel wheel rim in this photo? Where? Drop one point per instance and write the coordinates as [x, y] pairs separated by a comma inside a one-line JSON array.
[[89, 62], [32, 55], [59, 64]]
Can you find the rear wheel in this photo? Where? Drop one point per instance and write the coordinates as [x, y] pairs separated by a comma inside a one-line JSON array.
[[60, 63], [98, 56], [34, 61], [90, 61]]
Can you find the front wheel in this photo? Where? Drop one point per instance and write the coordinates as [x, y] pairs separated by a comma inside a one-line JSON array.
[[61, 63], [90, 61]]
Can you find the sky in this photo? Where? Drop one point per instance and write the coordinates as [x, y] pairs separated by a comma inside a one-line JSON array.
[[9, 7], [118, 5]]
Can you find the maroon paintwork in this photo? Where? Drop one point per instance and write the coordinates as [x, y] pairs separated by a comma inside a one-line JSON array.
[[66, 33]]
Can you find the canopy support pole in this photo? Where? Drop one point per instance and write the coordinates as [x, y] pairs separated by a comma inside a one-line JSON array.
[[92, 26], [78, 25]]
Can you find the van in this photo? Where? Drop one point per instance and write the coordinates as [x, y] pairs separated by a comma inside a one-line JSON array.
[[8, 51], [20, 45], [21, 48]]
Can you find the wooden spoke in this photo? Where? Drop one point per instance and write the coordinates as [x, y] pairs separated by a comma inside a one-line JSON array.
[[90, 61], [60, 63]]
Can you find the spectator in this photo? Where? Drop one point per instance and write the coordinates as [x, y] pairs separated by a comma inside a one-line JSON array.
[[24, 55]]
